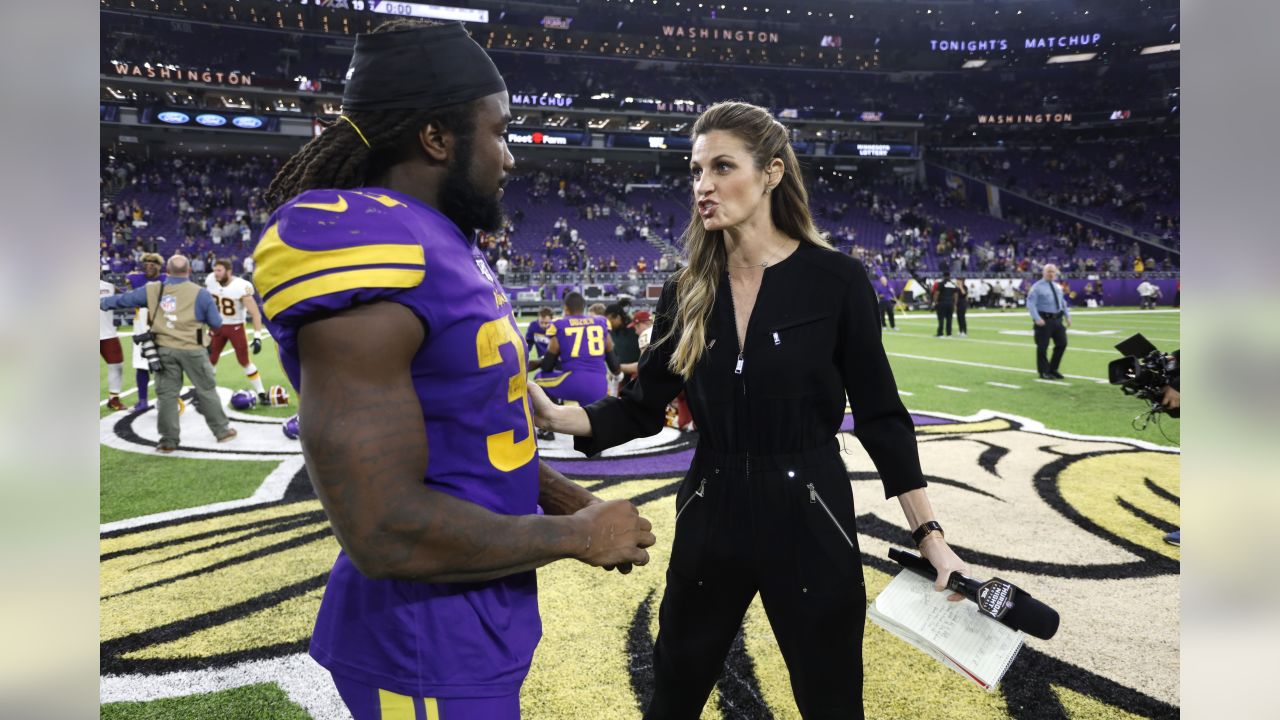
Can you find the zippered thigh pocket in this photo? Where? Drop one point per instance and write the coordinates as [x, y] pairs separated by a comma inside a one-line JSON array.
[[830, 559], [701, 492]]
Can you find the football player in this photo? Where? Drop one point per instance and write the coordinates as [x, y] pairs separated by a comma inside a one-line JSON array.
[[234, 298], [535, 335], [152, 263], [109, 348], [416, 429], [584, 349]]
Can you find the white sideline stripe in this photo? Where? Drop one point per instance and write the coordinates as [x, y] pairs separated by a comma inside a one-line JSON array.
[[972, 339], [301, 678], [271, 489], [1021, 313], [1054, 382], [900, 392], [1004, 385], [126, 393], [1101, 381], [951, 388]]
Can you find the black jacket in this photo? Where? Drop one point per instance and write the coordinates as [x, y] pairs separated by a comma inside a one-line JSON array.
[[814, 337]]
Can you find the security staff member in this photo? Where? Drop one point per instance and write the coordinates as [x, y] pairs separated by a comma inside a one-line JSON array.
[[944, 301], [1051, 316], [888, 300], [962, 304], [179, 309]]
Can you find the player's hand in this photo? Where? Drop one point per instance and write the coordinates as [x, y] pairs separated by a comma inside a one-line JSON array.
[[256, 344], [1040, 323], [543, 409], [617, 534]]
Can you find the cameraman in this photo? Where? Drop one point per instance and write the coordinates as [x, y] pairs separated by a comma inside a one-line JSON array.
[[1170, 400], [179, 309], [1172, 403]]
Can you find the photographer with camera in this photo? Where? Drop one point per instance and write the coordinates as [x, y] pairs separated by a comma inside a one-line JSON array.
[[179, 311], [1148, 374]]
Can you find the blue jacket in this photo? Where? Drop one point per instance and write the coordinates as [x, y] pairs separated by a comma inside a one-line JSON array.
[[206, 308]]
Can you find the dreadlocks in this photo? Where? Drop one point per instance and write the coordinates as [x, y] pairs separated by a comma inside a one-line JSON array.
[[339, 158]]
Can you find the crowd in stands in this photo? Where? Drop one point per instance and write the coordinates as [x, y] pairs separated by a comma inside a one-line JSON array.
[[587, 220], [205, 207], [1130, 182], [906, 228]]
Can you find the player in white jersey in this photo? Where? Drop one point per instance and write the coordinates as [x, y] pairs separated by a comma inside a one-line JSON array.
[[109, 348], [234, 298]]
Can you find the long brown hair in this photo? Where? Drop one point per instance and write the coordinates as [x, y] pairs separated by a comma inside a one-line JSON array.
[[696, 284]]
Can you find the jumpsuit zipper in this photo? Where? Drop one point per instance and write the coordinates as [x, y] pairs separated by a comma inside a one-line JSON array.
[[700, 492], [815, 497]]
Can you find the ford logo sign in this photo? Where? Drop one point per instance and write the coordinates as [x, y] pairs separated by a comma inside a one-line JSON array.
[[211, 120], [248, 122], [173, 117]]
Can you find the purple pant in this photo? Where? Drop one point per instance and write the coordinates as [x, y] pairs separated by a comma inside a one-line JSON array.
[[370, 703], [582, 388]]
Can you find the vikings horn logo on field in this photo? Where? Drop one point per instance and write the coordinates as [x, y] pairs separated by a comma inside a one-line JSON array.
[[208, 599]]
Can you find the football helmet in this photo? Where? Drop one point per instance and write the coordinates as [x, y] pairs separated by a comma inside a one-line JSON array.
[[290, 428], [243, 400], [278, 396]]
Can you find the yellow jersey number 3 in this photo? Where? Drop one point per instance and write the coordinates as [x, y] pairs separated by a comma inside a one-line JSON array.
[[505, 453]]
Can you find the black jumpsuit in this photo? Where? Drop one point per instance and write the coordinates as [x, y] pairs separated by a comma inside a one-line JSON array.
[[767, 505]]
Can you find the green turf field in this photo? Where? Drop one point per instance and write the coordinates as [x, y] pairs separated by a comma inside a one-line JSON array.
[[991, 369], [921, 363]]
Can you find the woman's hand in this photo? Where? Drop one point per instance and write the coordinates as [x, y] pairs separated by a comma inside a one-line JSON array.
[[945, 561], [543, 409]]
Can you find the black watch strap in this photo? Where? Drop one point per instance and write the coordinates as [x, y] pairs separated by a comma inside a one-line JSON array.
[[919, 535]]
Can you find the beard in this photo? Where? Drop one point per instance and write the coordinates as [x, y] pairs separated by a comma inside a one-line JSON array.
[[469, 207]]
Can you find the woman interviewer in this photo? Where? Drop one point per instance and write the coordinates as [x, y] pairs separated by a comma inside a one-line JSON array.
[[766, 331]]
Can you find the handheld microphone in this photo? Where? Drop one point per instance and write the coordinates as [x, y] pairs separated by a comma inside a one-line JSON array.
[[998, 599]]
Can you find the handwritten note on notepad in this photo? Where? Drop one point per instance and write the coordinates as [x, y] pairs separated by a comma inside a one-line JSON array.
[[972, 644]]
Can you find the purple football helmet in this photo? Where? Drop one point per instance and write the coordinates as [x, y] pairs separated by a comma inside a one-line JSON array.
[[243, 400], [291, 428]]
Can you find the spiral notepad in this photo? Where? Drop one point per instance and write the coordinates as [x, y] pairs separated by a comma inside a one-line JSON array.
[[955, 634]]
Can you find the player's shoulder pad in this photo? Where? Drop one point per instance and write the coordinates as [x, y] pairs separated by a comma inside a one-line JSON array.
[[323, 246], [550, 329]]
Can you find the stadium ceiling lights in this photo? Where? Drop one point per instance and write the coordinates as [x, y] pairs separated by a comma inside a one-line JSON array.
[[1154, 49], [1076, 57], [970, 64]]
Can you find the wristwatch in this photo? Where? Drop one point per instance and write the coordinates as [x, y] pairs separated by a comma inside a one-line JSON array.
[[923, 531]]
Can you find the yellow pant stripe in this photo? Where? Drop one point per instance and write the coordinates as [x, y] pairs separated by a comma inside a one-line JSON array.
[[552, 382], [395, 707], [433, 708]]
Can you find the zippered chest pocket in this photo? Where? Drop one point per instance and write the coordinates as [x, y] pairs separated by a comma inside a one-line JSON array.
[[797, 351]]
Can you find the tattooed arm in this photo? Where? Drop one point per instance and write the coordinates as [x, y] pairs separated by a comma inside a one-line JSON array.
[[366, 450]]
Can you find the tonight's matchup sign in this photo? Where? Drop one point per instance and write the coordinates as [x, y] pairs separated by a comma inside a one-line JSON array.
[[1046, 42]]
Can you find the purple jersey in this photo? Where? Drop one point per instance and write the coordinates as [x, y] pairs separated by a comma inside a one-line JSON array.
[[328, 250], [138, 279], [582, 375], [536, 336]]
